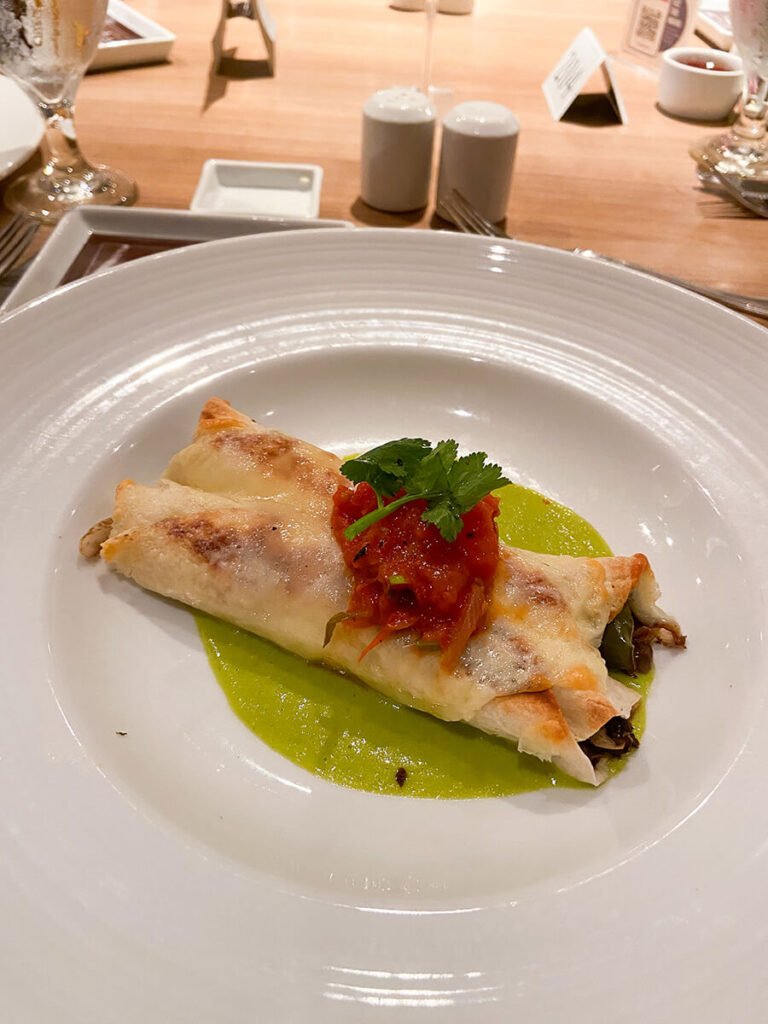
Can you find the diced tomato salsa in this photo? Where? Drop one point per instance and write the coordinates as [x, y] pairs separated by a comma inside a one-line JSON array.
[[408, 577]]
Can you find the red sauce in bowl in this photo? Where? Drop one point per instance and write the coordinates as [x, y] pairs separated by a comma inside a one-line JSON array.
[[704, 63]]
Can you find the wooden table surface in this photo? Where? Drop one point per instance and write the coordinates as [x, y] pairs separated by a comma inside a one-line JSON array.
[[625, 190]]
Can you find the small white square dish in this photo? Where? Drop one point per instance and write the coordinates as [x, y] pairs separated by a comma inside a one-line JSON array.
[[129, 38], [91, 240], [265, 189]]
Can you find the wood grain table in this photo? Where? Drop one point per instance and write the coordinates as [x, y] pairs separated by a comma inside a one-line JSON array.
[[624, 190]]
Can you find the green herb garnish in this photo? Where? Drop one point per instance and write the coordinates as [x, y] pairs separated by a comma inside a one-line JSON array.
[[451, 486]]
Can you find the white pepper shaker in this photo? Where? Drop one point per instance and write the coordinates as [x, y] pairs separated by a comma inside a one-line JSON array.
[[398, 137], [478, 155]]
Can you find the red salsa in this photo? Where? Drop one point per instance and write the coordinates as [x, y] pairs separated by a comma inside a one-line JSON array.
[[408, 577]]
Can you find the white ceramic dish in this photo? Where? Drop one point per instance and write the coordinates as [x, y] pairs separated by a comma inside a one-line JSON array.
[[183, 871], [264, 189], [699, 83], [71, 235], [21, 127], [153, 45]]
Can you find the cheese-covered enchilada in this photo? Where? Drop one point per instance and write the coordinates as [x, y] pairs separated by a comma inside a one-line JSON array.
[[240, 527]]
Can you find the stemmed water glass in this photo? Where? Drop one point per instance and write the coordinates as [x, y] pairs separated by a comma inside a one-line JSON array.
[[743, 150], [430, 8], [440, 96], [46, 46]]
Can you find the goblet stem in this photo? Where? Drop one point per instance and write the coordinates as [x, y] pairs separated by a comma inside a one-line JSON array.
[[426, 77], [61, 153], [751, 122]]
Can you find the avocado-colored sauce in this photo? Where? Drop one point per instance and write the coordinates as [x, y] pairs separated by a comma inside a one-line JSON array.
[[341, 730]]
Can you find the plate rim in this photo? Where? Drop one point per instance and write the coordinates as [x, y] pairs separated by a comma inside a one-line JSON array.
[[619, 273]]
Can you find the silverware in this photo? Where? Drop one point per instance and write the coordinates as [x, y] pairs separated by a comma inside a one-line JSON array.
[[738, 188], [469, 220], [14, 239]]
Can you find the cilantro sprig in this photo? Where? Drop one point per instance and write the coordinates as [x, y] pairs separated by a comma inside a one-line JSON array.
[[450, 485]]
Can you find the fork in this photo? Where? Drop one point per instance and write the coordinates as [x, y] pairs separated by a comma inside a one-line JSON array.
[[469, 220], [14, 239]]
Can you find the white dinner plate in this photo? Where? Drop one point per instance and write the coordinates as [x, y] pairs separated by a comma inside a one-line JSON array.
[[184, 872], [21, 127]]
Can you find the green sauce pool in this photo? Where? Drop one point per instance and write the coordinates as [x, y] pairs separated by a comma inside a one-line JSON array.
[[339, 729]]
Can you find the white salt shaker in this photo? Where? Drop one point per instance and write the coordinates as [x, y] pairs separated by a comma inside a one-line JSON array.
[[478, 155], [398, 137]]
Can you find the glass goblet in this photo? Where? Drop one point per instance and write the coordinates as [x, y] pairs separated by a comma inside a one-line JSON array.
[[440, 96], [46, 47], [743, 150]]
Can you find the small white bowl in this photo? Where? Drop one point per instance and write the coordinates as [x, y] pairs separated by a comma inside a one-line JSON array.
[[269, 190], [689, 88]]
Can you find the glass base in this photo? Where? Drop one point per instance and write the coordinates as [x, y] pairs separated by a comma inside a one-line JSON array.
[[47, 198], [732, 154]]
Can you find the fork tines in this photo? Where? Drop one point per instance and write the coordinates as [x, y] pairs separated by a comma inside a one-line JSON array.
[[461, 212], [14, 239]]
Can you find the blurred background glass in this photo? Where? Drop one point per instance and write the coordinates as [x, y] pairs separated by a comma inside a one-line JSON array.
[[743, 149], [46, 46]]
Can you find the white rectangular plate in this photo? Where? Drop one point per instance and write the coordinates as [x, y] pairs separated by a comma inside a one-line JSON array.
[[153, 45], [49, 268]]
